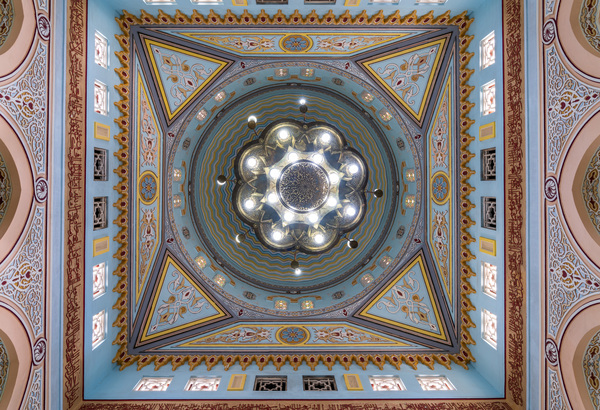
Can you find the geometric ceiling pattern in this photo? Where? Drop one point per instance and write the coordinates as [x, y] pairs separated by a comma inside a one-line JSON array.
[[194, 294]]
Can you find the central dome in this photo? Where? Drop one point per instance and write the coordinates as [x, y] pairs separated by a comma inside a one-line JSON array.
[[303, 186]]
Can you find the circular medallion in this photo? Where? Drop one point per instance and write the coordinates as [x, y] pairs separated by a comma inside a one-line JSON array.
[[551, 189], [440, 188], [295, 43], [292, 335], [39, 351], [43, 27], [41, 189], [303, 186], [551, 352], [148, 187], [549, 31]]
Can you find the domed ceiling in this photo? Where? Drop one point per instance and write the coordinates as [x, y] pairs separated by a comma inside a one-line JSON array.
[[395, 91]]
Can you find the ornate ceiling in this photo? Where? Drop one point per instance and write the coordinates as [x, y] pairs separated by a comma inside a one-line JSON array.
[[189, 292]]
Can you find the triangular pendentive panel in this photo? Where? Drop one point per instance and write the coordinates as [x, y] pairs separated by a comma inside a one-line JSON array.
[[180, 73], [178, 303], [408, 75], [407, 303]]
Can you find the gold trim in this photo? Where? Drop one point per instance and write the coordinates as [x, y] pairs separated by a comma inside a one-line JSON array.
[[350, 385], [487, 246], [98, 126], [100, 246], [233, 377]]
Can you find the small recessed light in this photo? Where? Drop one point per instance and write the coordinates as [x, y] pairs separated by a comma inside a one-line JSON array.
[[277, 235], [293, 157], [334, 178], [331, 201], [249, 204], [272, 197], [313, 218], [288, 216], [318, 158], [326, 137], [353, 169], [319, 238], [350, 211]]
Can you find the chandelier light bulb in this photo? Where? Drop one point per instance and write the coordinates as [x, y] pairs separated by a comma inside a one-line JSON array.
[[302, 101], [313, 218], [272, 197], [353, 169], [277, 235], [274, 173], [325, 138], [319, 238], [249, 204], [288, 216], [221, 179], [284, 134], [239, 238], [317, 158], [252, 162], [331, 201], [352, 244], [297, 271], [334, 178], [350, 211], [293, 157]]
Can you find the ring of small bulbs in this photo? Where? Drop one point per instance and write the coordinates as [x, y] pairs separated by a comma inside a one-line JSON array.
[[282, 234]]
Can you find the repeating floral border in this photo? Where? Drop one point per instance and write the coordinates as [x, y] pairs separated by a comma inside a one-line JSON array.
[[124, 359]]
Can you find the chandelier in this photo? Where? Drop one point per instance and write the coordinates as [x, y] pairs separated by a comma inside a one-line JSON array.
[[299, 186]]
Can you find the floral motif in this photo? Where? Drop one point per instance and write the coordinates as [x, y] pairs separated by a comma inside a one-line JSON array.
[[185, 78], [567, 100], [293, 335], [295, 43], [22, 281], [149, 144], [591, 186], [6, 19], [440, 188], [405, 298], [245, 43], [25, 100], [402, 78], [345, 43], [591, 369], [5, 188], [440, 242], [148, 187], [250, 334], [4, 367], [439, 140], [588, 18], [148, 228], [342, 334], [39, 351], [569, 278], [183, 299], [34, 401]]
